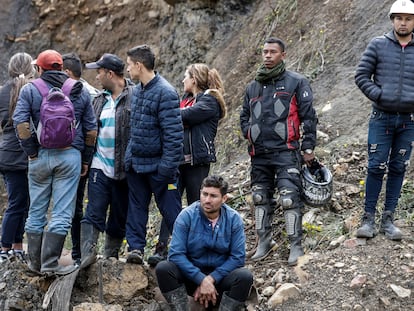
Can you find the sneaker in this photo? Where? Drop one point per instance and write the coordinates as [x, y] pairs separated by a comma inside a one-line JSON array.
[[18, 254], [4, 256], [135, 257], [159, 255]]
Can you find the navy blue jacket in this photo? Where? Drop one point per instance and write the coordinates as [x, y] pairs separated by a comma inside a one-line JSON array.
[[156, 142], [385, 74]]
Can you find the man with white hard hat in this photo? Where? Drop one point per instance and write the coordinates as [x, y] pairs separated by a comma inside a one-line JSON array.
[[385, 75]]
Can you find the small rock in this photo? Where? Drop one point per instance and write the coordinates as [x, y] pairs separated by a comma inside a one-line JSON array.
[[283, 293], [401, 291], [385, 301], [339, 265], [358, 281], [268, 291]]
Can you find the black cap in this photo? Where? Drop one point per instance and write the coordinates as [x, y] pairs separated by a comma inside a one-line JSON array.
[[108, 61]]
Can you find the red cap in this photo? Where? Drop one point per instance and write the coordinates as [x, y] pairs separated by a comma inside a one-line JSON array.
[[49, 60]]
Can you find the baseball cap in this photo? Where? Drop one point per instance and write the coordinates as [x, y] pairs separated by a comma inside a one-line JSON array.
[[108, 61], [49, 60]]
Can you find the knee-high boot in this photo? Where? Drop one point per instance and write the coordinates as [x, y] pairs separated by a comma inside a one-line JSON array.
[[263, 217], [293, 219]]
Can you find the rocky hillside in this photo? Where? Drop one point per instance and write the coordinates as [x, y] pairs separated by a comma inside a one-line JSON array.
[[325, 39]]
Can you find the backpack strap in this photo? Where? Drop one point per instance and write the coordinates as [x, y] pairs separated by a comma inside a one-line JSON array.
[[68, 86], [42, 87]]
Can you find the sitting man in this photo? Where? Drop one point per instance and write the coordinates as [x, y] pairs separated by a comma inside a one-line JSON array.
[[207, 253]]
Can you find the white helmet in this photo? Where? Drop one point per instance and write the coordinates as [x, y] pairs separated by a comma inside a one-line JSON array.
[[317, 184], [402, 6]]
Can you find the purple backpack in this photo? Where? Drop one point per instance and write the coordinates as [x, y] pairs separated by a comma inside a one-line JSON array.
[[57, 123]]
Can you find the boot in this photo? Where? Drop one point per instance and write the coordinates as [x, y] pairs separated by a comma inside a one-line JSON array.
[[388, 228], [89, 238], [160, 254], [112, 246], [177, 299], [367, 229], [229, 304], [34, 249], [263, 216], [293, 218], [51, 250]]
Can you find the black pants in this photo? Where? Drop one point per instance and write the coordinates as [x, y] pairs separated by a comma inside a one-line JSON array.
[[237, 284], [77, 217]]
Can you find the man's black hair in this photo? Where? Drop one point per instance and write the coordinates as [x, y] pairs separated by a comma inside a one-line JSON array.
[[143, 54], [72, 62], [278, 41], [216, 181]]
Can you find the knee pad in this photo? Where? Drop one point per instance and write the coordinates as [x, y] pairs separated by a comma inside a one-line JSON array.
[[260, 195]]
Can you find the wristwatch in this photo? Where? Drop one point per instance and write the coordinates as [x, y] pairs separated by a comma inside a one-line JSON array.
[[308, 151]]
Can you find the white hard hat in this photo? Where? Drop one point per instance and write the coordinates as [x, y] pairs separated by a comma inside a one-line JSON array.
[[402, 6]]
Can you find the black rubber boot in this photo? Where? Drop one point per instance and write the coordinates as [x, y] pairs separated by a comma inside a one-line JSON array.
[[229, 304], [388, 228], [263, 217], [177, 299], [367, 229], [160, 254], [89, 238], [112, 246], [34, 250], [293, 219], [52, 246]]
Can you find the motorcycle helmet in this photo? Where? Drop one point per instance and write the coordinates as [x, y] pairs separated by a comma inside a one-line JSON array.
[[317, 184]]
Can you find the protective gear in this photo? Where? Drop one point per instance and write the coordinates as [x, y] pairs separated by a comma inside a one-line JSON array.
[[293, 219], [367, 229], [229, 304], [160, 254], [34, 250], [317, 184], [177, 299], [388, 228], [263, 216], [112, 246], [89, 238], [402, 6], [52, 246], [286, 198]]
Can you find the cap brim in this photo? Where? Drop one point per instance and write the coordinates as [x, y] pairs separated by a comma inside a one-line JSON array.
[[92, 66], [34, 62]]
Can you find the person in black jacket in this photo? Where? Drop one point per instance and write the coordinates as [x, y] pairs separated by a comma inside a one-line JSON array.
[[202, 107], [13, 161], [276, 105], [385, 76]]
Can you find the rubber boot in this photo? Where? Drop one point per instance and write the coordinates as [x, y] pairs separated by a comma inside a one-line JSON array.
[[52, 246], [177, 299], [89, 238], [388, 228], [263, 217], [229, 304], [160, 254], [367, 229], [34, 250], [112, 246], [293, 219]]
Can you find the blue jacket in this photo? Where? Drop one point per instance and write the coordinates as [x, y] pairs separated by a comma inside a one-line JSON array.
[[156, 142], [28, 110], [195, 246], [385, 74]]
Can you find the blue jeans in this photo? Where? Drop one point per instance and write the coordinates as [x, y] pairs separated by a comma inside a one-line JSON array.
[[53, 178], [18, 204], [390, 138], [168, 200], [103, 192]]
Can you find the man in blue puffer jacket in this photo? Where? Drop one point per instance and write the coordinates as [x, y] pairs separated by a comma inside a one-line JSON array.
[[154, 150], [385, 75]]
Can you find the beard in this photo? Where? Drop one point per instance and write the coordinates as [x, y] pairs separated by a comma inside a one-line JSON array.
[[403, 34]]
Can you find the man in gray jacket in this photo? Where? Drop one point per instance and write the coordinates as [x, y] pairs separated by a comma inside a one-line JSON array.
[[385, 76]]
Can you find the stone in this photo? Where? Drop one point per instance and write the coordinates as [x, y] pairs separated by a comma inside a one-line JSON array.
[[358, 281], [283, 293], [401, 291]]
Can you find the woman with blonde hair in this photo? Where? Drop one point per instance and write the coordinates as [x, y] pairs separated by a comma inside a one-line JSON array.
[[202, 107], [13, 161]]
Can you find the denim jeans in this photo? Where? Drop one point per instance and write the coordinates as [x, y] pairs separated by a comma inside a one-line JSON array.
[[53, 179], [18, 204], [104, 192], [168, 200], [390, 139]]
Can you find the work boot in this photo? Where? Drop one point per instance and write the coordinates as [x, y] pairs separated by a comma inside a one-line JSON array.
[[263, 217], [89, 238], [52, 246], [388, 228], [229, 304], [34, 250], [160, 254], [177, 299], [112, 246], [293, 219], [367, 229]]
